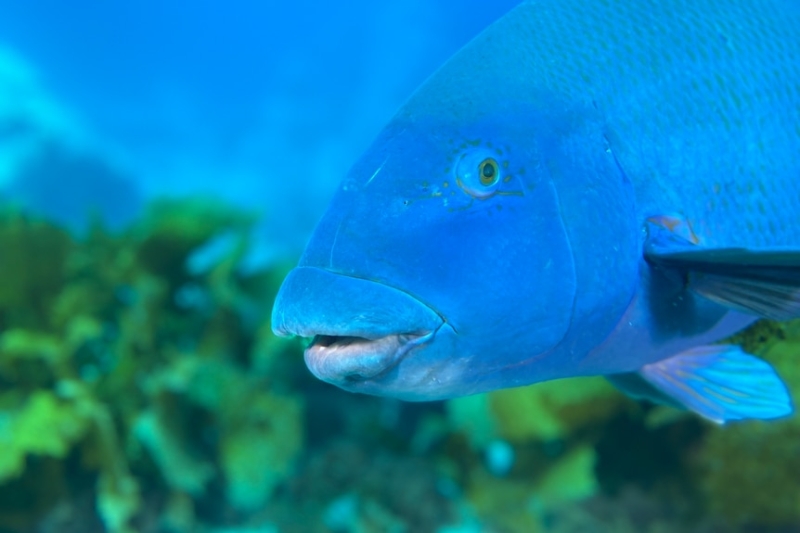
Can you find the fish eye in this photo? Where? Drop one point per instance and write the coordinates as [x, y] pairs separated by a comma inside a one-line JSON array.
[[488, 171], [478, 173]]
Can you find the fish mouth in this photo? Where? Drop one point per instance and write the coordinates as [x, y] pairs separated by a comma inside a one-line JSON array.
[[360, 329], [348, 360]]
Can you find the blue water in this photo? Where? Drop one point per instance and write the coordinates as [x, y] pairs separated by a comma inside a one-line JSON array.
[[265, 104]]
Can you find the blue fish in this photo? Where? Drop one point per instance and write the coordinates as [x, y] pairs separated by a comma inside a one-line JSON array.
[[589, 187]]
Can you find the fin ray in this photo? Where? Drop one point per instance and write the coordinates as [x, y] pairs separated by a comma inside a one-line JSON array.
[[721, 383]]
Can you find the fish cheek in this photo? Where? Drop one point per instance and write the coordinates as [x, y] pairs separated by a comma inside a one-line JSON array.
[[521, 301]]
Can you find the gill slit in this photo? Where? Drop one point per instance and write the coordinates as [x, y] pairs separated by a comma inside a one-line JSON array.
[[573, 304]]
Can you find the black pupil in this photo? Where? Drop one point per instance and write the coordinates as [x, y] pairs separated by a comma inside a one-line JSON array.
[[488, 170]]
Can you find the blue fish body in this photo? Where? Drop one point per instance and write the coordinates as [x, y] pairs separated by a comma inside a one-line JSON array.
[[587, 188]]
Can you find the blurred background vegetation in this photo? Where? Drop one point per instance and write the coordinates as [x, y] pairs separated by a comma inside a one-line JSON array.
[[141, 389]]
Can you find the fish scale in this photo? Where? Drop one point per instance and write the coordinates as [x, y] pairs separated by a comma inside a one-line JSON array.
[[695, 94]]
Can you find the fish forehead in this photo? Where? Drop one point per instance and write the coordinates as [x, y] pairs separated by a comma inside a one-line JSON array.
[[417, 149], [388, 223], [409, 179]]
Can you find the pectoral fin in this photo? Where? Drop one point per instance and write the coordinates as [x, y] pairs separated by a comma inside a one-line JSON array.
[[719, 382], [760, 282]]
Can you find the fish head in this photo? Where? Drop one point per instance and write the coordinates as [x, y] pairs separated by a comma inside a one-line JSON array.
[[486, 239], [441, 263]]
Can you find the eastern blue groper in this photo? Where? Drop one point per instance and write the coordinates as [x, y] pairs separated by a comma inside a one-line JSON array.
[[589, 187]]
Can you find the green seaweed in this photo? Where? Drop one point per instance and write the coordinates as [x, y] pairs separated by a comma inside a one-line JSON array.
[[117, 362], [30, 283], [552, 428], [554, 409], [147, 388]]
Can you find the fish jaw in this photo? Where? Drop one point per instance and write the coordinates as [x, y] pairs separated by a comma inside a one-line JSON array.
[[360, 329], [349, 361]]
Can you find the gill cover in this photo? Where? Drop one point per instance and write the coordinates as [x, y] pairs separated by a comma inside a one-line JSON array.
[[464, 218]]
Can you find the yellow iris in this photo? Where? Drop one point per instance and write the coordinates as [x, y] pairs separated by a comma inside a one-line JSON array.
[[488, 171]]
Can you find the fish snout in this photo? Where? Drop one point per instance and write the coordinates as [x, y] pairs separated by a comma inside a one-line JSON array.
[[361, 329]]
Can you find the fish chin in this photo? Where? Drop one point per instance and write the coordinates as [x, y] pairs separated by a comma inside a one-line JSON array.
[[346, 361]]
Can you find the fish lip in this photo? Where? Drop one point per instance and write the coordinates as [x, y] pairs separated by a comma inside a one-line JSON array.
[[347, 360], [361, 329], [294, 313]]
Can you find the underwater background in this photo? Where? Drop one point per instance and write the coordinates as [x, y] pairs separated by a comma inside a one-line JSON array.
[[161, 166]]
